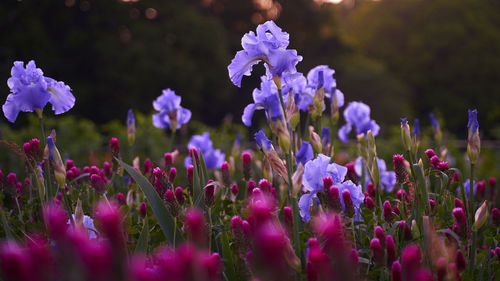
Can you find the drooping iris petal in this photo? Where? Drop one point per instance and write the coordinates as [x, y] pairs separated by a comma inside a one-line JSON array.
[[305, 202], [266, 98], [264, 143], [344, 131], [10, 109], [305, 153], [246, 118], [61, 97]]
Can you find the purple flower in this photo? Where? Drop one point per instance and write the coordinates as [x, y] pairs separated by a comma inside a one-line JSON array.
[[467, 188], [268, 45], [322, 75], [305, 153], [416, 128], [264, 143], [357, 114], [472, 125], [325, 136], [296, 84], [314, 172], [171, 114], [434, 122], [31, 91], [387, 178], [213, 157], [267, 98]]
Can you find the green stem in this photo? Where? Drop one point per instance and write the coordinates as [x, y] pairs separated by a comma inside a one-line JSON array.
[[209, 229], [291, 201], [47, 164], [175, 230], [471, 195]]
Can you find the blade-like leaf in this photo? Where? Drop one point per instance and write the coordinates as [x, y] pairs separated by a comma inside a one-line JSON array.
[[227, 257], [142, 243], [159, 209]]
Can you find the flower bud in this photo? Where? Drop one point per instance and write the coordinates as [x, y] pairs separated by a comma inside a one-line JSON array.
[[429, 153], [349, 207], [193, 153], [189, 174], [480, 190], [495, 217], [473, 140], [460, 260], [315, 140], [395, 209], [405, 134], [283, 136], [396, 271], [405, 230], [288, 216], [143, 209], [131, 198], [354, 258], [194, 226], [335, 199], [441, 266], [168, 158], [377, 251], [250, 186], [131, 127], [234, 190], [369, 203], [121, 199], [461, 220], [411, 261], [172, 174], [179, 195], [236, 224], [55, 158], [56, 220], [226, 177], [147, 168], [458, 204], [390, 249], [380, 234], [435, 161], [114, 146], [209, 193], [371, 189], [351, 172], [98, 183], [400, 169], [172, 205], [110, 222], [327, 183], [387, 211], [247, 165], [480, 216]]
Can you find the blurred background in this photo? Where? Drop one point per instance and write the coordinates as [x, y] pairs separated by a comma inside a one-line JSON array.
[[401, 57]]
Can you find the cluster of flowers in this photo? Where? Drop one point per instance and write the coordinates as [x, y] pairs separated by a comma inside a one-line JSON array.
[[292, 211]]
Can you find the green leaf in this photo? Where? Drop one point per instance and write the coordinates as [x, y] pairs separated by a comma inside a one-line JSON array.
[[79, 177], [142, 243], [227, 257], [197, 189], [159, 209]]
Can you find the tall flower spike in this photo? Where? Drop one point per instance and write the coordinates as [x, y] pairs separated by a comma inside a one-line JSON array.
[[171, 115], [131, 126], [31, 91], [473, 140], [267, 45]]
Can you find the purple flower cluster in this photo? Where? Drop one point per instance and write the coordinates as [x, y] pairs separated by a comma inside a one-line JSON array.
[[31, 91]]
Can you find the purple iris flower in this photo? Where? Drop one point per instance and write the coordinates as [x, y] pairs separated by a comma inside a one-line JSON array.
[[296, 84], [387, 178], [322, 75], [31, 91], [416, 128], [267, 98], [314, 172], [171, 114], [268, 45], [357, 114], [213, 157], [305, 153], [472, 125], [467, 188], [264, 143]]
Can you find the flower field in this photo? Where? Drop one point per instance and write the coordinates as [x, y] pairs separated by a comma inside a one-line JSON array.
[[308, 197]]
